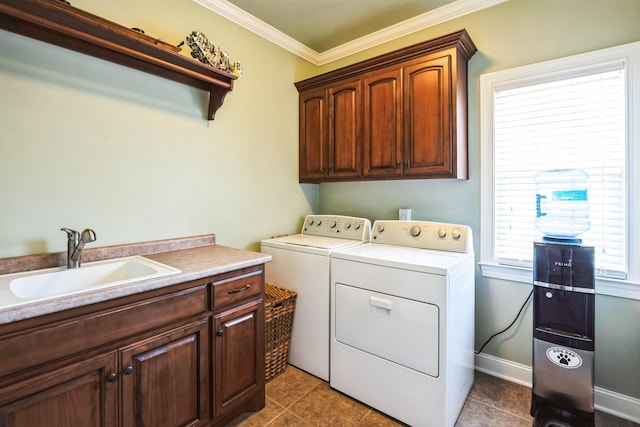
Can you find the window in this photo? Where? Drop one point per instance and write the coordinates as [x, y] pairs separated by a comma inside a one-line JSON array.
[[571, 113]]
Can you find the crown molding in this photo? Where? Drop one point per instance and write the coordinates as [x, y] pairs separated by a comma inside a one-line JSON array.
[[437, 16]]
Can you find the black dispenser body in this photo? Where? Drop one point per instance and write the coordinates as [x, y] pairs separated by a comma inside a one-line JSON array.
[[563, 334]]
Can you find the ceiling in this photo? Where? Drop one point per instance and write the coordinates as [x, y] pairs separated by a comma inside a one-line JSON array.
[[325, 24], [325, 30]]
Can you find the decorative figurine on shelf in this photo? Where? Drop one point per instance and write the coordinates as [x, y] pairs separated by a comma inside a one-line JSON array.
[[207, 52], [235, 69]]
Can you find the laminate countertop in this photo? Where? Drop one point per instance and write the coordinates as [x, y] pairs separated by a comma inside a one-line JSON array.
[[194, 263]]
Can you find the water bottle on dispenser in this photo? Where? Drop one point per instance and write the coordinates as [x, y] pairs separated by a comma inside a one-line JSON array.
[[562, 207], [563, 303]]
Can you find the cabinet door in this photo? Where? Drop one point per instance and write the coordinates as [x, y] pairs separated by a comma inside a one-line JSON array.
[[428, 104], [165, 379], [239, 360], [314, 136], [382, 133], [81, 394], [345, 129]]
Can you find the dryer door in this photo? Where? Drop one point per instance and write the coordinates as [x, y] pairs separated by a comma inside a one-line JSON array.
[[399, 330]]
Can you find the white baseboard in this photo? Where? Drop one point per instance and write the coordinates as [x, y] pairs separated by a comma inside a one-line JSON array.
[[607, 401]]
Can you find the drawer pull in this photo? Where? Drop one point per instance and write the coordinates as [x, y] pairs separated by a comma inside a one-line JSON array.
[[235, 291], [111, 378], [128, 370], [219, 332]]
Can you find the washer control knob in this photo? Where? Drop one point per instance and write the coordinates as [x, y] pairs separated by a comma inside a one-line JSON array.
[[319, 223], [455, 233], [311, 222], [380, 228], [357, 226], [347, 226], [442, 233], [332, 223], [415, 231]]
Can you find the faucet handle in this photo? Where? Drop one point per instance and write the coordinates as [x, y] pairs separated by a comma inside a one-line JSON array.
[[88, 235], [72, 234]]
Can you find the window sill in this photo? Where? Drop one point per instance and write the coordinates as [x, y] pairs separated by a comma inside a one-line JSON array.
[[604, 286]]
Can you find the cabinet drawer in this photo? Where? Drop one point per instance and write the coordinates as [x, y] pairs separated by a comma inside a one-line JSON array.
[[237, 288]]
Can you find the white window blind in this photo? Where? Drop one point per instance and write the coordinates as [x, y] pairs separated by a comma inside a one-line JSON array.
[[577, 120]]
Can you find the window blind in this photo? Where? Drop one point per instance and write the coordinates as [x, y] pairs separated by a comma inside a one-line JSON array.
[[573, 120]]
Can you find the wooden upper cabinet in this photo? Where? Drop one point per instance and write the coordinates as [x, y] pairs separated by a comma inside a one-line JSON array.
[[429, 143], [330, 132], [344, 129], [314, 138], [382, 133], [398, 115]]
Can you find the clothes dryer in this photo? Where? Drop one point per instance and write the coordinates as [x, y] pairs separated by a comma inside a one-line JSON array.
[[301, 263], [402, 321]]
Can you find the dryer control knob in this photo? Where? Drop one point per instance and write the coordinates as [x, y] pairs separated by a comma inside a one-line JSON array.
[[415, 231], [380, 228], [347, 226], [442, 233], [455, 233], [319, 223], [357, 226], [332, 223]]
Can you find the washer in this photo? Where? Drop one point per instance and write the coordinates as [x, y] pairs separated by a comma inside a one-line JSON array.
[[301, 263], [402, 320]]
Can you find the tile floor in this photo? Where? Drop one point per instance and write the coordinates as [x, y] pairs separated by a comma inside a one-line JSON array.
[[296, 398]]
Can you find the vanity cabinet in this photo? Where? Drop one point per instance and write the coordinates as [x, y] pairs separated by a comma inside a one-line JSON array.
[[238, 345], [79, 394], [408, 116], [149, 359], [165, 379]]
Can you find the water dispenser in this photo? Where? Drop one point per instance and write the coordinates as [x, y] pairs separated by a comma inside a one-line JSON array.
[[563, 303]]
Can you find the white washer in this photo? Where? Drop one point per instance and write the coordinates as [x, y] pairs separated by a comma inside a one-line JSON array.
[[301, 263], [402, 321]]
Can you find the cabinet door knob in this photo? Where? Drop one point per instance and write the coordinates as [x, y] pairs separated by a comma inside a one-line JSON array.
[[112, 377], [219, 332], [128, 370]]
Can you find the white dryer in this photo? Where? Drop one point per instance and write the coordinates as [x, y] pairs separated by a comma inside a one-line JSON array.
[[402, 321], [301, 263]]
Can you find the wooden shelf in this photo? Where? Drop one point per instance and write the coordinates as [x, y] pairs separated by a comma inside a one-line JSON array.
[[55, 22]]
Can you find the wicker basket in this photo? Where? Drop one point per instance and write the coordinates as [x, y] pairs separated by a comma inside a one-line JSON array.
[[278, 308]]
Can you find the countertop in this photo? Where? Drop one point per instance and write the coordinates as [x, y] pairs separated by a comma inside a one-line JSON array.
[[194, 263]]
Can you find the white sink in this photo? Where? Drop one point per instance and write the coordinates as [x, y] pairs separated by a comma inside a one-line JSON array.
[[56, 282]]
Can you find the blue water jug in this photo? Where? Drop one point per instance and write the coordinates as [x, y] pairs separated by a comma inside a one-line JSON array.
[[562, 205]]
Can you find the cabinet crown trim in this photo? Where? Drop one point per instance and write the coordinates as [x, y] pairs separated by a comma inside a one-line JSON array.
[[459, 40]]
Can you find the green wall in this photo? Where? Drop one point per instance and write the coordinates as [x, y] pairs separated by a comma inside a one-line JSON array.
[[511, 34], [87, 143]]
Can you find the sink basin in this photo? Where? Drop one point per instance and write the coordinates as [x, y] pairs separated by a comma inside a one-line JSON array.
[[54, 282]]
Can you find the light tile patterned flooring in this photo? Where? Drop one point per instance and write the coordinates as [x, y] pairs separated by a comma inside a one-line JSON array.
[[296, 398]]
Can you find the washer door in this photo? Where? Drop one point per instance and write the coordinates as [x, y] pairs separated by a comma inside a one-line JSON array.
[[400, 330]]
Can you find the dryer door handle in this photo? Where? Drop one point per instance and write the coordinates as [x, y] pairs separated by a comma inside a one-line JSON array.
[[378, 304]]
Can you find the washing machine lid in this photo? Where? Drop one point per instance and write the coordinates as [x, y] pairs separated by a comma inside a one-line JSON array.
[[403, 257], [310, 241]]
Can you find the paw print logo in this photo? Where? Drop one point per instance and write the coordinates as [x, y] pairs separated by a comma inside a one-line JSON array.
[[564, 359]]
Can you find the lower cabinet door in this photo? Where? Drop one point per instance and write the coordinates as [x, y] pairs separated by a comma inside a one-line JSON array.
[[81, 394], [239, 360], [165, 379]]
